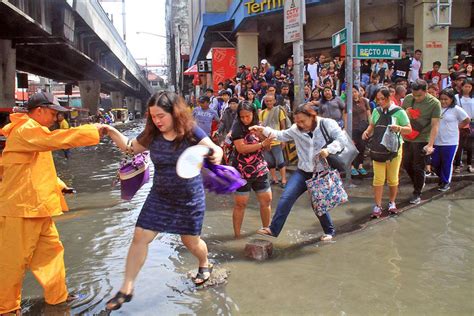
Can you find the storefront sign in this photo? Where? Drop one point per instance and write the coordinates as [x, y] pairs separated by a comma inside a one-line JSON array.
[[265, 5], [378, 51], [292, 24], [339, 38]]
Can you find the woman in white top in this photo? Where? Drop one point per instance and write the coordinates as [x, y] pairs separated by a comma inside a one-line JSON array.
[[446, 143], [310, 142], [466, 102]]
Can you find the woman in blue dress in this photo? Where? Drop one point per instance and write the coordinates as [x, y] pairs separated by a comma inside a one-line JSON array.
[[174, 205]]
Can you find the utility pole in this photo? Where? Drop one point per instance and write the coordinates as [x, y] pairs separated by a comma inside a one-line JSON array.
[[356, 24], [298, 53], [349, 73]]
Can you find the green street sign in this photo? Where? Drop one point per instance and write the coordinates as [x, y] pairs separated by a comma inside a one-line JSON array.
[[378, 51], [339, 38]]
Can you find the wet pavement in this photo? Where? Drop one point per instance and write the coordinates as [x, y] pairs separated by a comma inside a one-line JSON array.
[[417, 263]]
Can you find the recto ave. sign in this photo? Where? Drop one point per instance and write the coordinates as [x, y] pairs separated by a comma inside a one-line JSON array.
[[292, 26], [378, 51]]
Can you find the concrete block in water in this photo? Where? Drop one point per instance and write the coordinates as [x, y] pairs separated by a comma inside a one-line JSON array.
[[259, 249]]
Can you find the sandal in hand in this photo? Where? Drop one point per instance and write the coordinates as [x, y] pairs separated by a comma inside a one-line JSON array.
[[116, 302]]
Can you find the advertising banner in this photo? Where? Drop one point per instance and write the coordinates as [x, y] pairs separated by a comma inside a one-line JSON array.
[[224, 65]]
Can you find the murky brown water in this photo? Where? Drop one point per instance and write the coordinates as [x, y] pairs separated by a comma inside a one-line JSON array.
[[420, 263]]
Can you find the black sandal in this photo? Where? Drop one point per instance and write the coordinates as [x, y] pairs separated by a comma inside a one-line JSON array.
[[200, 275], [118, 300]]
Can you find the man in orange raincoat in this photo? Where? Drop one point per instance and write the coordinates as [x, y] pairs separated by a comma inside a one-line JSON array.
[[30, 195]]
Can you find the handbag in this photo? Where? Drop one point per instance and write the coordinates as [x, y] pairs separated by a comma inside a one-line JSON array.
[[343, 159], [326, 190], [134, 172]]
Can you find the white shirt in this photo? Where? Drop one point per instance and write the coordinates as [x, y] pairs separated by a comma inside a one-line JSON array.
[[313, 72], [448, 133], [467, 104], [306, 147], [415, 70]]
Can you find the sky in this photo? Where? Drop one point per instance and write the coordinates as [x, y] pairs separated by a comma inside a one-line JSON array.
[[141, 16]]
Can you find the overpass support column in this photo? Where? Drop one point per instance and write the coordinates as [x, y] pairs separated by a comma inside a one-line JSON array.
[[139, 107], [117, 99], [90, 95], [7, 74], [130, 102], [433, 41], [247, 48]]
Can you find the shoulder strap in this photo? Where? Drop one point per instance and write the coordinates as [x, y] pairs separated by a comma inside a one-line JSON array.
[[324, 132], [391, 112]]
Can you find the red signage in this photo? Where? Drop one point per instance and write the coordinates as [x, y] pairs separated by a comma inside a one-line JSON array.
[[434, 44], [224, 65]]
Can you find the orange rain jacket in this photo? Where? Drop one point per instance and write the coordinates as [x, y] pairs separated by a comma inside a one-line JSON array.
[[30, 186]]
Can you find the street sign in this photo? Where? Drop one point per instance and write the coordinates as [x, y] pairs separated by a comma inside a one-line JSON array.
[[378, 51], [292, 24], [339, 38]]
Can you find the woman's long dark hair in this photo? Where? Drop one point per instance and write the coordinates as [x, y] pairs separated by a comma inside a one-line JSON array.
[[449, 92], [171, 103], [247, 106], [468, 81]]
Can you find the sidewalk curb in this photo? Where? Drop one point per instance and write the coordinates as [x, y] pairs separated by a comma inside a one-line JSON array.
[[429, 196]]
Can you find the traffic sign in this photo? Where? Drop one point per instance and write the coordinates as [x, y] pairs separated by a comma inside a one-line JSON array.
[[339, 38], [292, 21], [378, 51]]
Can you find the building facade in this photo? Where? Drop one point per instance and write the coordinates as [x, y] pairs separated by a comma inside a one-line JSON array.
[[255, 28], [178, 42]]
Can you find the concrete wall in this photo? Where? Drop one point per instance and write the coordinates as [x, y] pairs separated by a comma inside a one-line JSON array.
[[325, 20], [461, 13], [216, 6]]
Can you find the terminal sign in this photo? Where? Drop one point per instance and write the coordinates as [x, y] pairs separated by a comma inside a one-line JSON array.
[[265, 5], [378, 51], [292, 25]]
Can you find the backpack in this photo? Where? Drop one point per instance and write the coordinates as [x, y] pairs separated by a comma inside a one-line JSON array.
[[377, 151]]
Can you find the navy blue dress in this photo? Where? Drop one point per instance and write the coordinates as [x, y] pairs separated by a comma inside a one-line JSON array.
[[174, 205]]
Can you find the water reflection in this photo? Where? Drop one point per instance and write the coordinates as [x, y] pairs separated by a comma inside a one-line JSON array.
[[417, 263]]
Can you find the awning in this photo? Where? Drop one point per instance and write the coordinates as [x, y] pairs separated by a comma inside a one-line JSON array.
[[191, 71]]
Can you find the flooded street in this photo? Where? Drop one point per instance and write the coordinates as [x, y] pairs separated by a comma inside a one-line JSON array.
[[419, 263]]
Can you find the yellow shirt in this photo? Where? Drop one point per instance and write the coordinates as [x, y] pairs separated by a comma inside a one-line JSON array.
[[30, 186], [64, 124], [263, 115]]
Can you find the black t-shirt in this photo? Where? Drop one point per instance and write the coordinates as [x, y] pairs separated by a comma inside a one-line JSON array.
[[402, 67], [365, 68], [250, 165]]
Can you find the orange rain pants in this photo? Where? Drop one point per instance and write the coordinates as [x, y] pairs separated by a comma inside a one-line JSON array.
[[39, 250]]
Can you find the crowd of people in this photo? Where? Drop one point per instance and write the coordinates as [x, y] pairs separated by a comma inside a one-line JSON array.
[[250, 118], [431, 114]]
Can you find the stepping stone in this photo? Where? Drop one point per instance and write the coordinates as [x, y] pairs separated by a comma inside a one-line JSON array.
[[259, 249], [219, 276]]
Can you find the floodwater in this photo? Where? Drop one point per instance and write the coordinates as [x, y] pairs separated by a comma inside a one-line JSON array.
[[419, 263]]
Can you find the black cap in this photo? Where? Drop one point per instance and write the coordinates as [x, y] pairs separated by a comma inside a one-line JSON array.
[[233, 100], [225, 91], [45, 99], [204, 98]]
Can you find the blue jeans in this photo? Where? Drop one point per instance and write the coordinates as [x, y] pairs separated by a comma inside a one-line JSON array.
[[295, 187]]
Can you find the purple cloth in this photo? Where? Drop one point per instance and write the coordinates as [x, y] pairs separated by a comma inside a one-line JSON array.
[[221, 179]]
